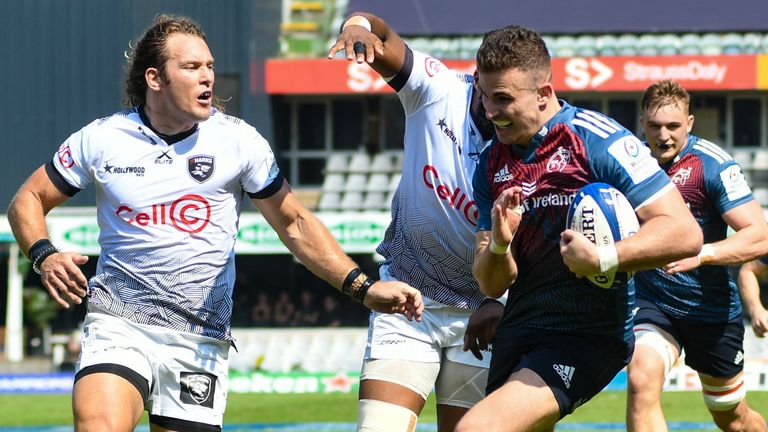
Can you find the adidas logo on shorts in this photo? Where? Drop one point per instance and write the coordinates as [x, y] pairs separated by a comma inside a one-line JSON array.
[[565, 372]]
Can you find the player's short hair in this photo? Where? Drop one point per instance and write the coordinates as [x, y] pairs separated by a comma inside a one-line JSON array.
[[515, 47], [663, 93], [150, 52]]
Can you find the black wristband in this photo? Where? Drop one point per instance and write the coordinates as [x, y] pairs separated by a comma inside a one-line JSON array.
[[346, 286], [360, 294], [489, 300], [39, 251]]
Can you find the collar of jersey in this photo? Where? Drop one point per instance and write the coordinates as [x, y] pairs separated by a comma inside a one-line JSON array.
[[169, 139]]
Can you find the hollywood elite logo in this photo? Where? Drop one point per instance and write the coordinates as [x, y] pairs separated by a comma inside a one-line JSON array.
[[200, 167], [164, 158], [198, 388], [138, 171]]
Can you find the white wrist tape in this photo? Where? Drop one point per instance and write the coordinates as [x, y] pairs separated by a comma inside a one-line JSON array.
[[499, 249], [608, 258], [707, 254], [357, 20]]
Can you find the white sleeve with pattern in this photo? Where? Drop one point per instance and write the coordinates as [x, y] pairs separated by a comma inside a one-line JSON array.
[[72, 160]]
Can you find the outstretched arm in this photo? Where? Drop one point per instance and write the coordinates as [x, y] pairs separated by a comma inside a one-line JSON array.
[[384, 49], [749, 241], [311, 242]]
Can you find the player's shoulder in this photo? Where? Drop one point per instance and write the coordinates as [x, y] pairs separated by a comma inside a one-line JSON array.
[[592, 126], [119, 118], [433, 68], [709, 152]]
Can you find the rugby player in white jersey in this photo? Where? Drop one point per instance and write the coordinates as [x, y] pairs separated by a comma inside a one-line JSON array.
[[170, 175], [429, 243]]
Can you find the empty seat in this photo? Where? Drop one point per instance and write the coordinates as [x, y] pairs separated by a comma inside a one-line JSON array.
[[375, 201], [760, 160], [743, 158], [586, 46], [689, 44], [468, 47], [565, 46], [607, 45], [359, 163], [711, 44], [333, 182], [669, 44], [733, 43], [648, 45], [337, 163], [764, 44], [394, 181], [356, 182], [751, 43], [352, 201], [627, 45], [382, 163], [549, 41], [378, 182], [329, 201]]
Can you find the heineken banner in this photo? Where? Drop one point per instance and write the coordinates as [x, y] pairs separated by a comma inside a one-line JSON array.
[[356, 232], [293, 382]]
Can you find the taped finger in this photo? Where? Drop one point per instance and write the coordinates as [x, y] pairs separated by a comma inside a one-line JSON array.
[[358, 48]]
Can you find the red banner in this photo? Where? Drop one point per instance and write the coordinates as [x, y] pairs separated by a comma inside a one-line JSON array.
[[727, 72]]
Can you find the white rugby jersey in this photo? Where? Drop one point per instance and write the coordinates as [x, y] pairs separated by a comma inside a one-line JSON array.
[[168, 215], [430, 243]]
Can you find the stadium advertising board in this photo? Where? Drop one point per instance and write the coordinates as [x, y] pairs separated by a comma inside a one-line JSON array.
[[725, 72], [356, 232]]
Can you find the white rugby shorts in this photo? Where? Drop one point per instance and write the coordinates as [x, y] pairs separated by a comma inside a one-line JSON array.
[[186, 373], [439, 333]]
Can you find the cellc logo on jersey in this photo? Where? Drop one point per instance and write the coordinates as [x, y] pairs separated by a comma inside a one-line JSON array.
[[432, 66], [457, 198], [65, 156], [190, 213]]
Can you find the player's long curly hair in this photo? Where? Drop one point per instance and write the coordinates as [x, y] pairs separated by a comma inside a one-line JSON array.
[[150, 52], [515, 47], [663, 93]]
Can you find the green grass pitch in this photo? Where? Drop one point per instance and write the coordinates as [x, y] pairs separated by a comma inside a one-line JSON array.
[[607, 407]]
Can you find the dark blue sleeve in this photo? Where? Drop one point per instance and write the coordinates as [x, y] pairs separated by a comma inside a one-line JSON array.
[[482, 195], [726, 185], [627, 164]]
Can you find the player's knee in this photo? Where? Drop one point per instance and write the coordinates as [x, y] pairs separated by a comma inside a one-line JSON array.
[[460, 385], [723, 398], [378, 416], [644, 367], [419, 377]]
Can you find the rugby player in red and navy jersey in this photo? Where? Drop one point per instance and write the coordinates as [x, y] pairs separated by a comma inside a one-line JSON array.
[[561, 339], [171, 174], [693, 304]]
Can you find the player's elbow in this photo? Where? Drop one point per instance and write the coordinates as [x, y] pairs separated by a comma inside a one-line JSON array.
[[690, 238]]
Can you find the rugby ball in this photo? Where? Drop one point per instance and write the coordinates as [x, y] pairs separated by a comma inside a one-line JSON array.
[[605, 216]]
